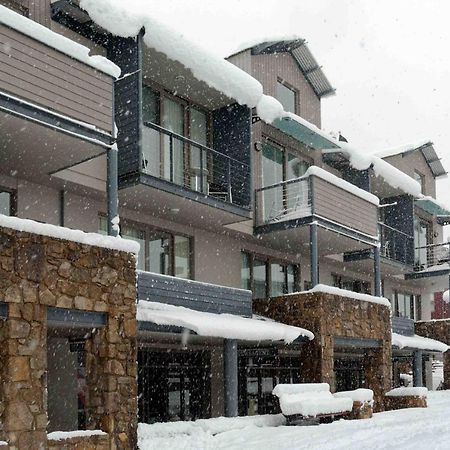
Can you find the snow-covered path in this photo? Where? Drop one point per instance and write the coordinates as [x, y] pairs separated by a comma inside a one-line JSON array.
[[412, 428]]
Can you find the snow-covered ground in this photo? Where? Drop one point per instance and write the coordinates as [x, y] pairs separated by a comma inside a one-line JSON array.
[[409, 428]]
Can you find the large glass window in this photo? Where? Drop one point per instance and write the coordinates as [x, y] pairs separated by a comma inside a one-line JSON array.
[[161, 252], [408, 305], [265, 277], [6, 203], [287, 97], [350, 284], [422, 239]]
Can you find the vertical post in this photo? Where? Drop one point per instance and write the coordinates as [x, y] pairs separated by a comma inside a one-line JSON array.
[[417, 369], [231, 377], [314, 254], [171, 168], [112, 191], [377, 270], [230, 194], [62, 194], [201, 170]]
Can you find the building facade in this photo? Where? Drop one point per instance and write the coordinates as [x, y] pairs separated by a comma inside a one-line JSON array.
[[233, 213]]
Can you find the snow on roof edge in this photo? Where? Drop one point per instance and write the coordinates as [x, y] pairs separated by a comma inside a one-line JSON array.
[[344, 293], [404, 148], [54, 231], [57, 41], [227, 326], [419, 342]]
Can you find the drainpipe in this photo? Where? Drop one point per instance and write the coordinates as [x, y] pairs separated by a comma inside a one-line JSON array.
[[230, 350], [377, 270], [112, 190], [314, 254], [417, 369]]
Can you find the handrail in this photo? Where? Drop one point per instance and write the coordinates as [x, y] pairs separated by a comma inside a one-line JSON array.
[[442, 244], [396, 230], [282, 183], [191, 142]]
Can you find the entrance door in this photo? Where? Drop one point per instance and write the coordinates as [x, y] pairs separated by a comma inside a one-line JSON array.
[[173, 385], [349, 373]]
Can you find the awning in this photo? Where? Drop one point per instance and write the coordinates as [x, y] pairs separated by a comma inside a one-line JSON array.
[[417, 342], [227, 326], [303, 134], [431, 206]]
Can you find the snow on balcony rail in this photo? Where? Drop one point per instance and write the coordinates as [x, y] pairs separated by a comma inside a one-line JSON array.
[[323, 288], [63, 435], [227, 326], [94, 239], [408, 392], [57, 41], [418, 342]]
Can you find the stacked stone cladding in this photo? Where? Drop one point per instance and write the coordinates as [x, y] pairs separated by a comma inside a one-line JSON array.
[[38, 272], [329, 316], [439, 330]]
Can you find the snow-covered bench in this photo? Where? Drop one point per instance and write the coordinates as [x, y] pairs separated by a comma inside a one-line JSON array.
[[406, 397], [362, 402], [310, 401]]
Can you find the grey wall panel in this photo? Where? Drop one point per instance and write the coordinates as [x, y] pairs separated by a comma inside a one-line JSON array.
[[193, 295], [232, 136], [126, 53], [40, 74], [402, 325], [344, 207]]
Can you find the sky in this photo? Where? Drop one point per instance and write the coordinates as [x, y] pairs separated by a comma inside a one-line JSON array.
[[388, 60]]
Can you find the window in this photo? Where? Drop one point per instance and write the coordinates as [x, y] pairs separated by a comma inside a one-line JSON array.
[[161, 252], [422, 238], [268, 278], [351, 284], [7, 203], [166, 156], [420, 178], [407, 305], [287, 97]]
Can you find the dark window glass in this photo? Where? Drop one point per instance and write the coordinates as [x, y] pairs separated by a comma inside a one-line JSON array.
[[6, 203], [246, 282], [287, 97]]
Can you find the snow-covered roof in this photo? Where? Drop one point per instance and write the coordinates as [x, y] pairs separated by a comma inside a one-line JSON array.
[[348, 294], [301, 53], [45, 229], [426, 147], [227, 326], [55, 40], [418, 342]]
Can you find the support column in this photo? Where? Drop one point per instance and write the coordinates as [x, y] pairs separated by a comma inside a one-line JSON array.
[[417, 369], [377, 271], [230, 348], [112, 191], [314, 254]]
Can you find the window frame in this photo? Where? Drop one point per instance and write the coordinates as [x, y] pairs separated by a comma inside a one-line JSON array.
[[420, 178], [291, 88], [414, 308], [147, 231], [268, 261], [12, 200]]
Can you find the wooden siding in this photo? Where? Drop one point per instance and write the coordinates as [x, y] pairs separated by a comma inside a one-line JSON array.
[[37, 10], [39, 74], [268, 68], [343, 207], [194, 295]]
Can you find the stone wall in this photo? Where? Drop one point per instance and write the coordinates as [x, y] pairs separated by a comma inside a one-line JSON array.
[[329, 316], [38, 272], [403, 402], [80, 443], [439, 330]]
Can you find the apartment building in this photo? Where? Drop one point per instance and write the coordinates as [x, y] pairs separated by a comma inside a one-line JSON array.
[[234, 214]]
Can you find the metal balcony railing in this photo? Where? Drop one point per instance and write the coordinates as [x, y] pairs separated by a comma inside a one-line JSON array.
[[182, 161], [432, 256], [396, 245], [284, 200]]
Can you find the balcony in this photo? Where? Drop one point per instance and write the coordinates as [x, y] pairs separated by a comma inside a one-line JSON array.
[[57, 110], [188, 177], [346, 216], [431, 261]]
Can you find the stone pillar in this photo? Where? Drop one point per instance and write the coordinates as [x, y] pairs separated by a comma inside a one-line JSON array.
[[25, 358], [111, 371]]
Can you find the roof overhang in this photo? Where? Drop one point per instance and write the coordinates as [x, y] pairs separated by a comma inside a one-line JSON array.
[[416, 342], [303, 134], [432, 207], [433, 160], [305, 60]]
